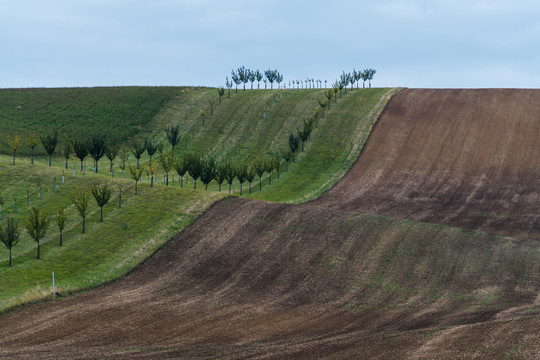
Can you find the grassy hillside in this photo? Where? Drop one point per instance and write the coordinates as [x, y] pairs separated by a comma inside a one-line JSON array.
[[240, 130], [119, 112]]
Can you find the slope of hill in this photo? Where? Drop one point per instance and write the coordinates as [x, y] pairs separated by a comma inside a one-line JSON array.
[[252, 279]]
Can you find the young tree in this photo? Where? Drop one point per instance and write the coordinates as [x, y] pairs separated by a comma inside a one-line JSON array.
[[370, 74], [228, 85], [137, 149], [136, 174], [365, 76], [357, 76], [236, 79], [270, 166], [32, 142], [243, 75], [336, 90], [221, 92], [241, 175], [14, 144], [67, 149], [304, 133], [271, 75], [111, 150], [329, 93], [194, 167], [352, 79], [150, 147], [9, 236], [220, 175], [102, 195], [287, 156], [173, 135], [181, 168], [208, 171], [160, 147], [81, 150], [250, 176], [167, 161], [81, 198], [294, 142], [252, 77], [151, 169], [2, 203], [49, 142], [211, 102], [36, 226], [259, 77], [264, 80], [344, 81], [277, 162], [279, 79], [323, 104], [123, 154], [97, 149], [230, 174], [61, 219], [203, 115], [260, 168]]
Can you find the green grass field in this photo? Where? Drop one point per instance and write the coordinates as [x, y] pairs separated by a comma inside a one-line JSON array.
[[240, 130]]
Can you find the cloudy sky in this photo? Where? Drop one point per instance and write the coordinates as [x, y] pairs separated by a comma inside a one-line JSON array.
[[414, 43]]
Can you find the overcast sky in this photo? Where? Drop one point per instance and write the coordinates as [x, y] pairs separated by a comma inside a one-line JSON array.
[[415, 43]]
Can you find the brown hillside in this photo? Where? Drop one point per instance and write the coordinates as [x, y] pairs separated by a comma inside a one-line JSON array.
[[259, 280], [467, 158]]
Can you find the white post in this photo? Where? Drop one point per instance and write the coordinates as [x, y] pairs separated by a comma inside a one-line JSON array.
[[53, 286]]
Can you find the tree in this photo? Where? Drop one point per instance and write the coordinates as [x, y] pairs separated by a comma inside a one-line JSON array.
[[370, 74], [111, 151], [211, 102], [150, 147], [14, 144], [264, 80], [67, 149], [123, 154], [2, 203], [194, 167], [32, 142], [173, 135], [236, 79], [271, 75], [137, 149], [252, 77], [365, 76], [181, 168], [136, 174], [36, 226], [221, 92], [323, 104], [329, 93], [167, 161], [277, 162], [230, 174], [228, 85], [260, 169], [9, 236], [208, 171], [344, 81], [81, 150], [49, 142], [287, 155], [352, 79], [61, 218], [259, 77], [241, 175], [279, 79], [250, 175], [203, 115], [294, 142], [97, 149], [243, 75], [151, 169], [220, 174], [102, 195], [270, 166], [357, 76], [305, 132], [81, 198], [336, 90]]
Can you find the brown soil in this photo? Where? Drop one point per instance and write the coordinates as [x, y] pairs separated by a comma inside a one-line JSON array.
[[259, 280]]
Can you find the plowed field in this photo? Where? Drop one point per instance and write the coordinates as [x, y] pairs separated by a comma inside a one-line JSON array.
[[252, 279]]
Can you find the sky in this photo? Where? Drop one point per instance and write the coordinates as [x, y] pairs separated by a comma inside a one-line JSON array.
[[414, 43]]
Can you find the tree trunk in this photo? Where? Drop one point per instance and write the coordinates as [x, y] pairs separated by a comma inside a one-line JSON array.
[[236, 91], [137, 163], [38, 251], [84, 219], [250, 188], [81, 165], [60, 238], [303, 146], [211, 109], [151, 180], [14, 158], [32, 158], [220, 187], [340, 93], [194, 183], [287, 166], [9, 257], [293, 158], [181, 181], [229, 93], [230, 188], [260, 182], [323, 113], [136, 187], [167, 180], [110, 167], [67, 163], [50, 156], [277, 173], [97, 167], [101, 214], [269, 179], [240, 189], [120, 201]]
